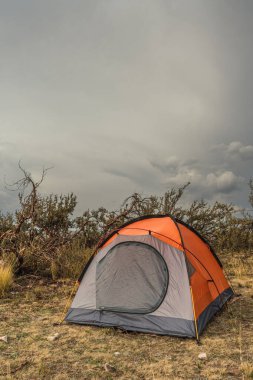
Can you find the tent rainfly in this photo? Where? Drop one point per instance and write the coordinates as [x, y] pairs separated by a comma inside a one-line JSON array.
[[155, 274]]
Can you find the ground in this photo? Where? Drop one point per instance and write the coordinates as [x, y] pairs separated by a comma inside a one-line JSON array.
[[32, 312]]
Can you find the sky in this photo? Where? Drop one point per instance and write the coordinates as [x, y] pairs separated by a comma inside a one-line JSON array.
[[127, 96]]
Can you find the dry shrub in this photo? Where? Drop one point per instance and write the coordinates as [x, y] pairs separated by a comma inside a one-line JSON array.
[[238, 264], [70, 261], [6, 278], [48, 240], [247, 369]]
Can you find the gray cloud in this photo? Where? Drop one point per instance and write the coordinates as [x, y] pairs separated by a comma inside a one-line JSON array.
[[165, 165], [236, 149], [127, 96], [224, 182]]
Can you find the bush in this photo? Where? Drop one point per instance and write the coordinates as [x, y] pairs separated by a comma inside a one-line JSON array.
[[70, 261], [6, 278], [46, 239]]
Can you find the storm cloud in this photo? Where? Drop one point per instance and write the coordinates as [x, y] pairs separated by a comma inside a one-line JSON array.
[[124, 96]]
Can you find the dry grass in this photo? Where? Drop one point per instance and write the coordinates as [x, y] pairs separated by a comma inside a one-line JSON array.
[[30, 313], [6, 278]]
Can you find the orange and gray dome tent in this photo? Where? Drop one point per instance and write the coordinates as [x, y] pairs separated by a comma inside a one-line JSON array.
[[154, 274]]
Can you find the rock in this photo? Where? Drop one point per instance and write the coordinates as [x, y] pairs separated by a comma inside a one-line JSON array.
[[116, 353], [4, 338], [51, 338], [202, 356], [109, 368]]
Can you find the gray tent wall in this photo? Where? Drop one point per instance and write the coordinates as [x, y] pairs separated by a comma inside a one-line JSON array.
[[173, 315]]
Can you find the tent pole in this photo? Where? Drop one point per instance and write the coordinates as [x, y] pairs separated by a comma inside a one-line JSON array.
[[194, 315], [68, 302], [184, 251]]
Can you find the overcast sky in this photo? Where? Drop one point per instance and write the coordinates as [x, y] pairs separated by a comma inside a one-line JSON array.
[[123, 96]]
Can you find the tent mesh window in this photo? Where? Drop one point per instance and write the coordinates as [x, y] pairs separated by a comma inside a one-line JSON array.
[[133, 278]]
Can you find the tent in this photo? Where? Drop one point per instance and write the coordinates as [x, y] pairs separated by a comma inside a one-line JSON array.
[[154, 274]]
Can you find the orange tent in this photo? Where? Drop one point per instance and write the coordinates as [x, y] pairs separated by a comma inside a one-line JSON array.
[[153, 274]]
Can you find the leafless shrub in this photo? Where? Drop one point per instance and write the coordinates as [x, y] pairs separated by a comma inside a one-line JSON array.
[[41, 228]]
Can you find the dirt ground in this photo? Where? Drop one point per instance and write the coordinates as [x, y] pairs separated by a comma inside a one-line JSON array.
[[33, 309]]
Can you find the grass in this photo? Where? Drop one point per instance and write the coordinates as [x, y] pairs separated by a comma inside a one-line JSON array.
[[31, 312], [6, 278]]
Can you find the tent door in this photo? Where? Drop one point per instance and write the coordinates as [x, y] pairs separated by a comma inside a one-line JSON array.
[[132, 278]]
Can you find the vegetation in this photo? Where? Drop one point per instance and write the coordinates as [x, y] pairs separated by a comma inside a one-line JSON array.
[[6, 278], [44, 238]]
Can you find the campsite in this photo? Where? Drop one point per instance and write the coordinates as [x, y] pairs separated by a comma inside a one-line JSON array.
[[38, 337], [126, 190]]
